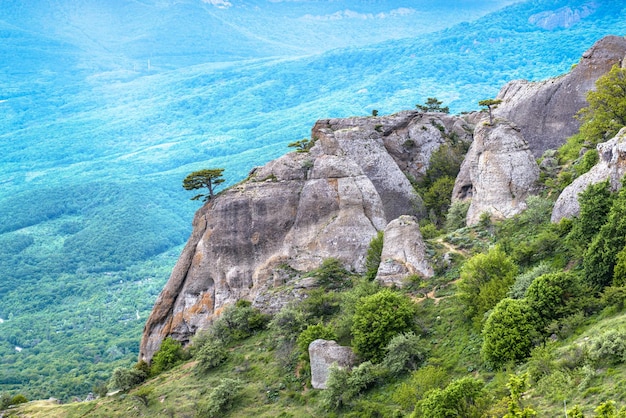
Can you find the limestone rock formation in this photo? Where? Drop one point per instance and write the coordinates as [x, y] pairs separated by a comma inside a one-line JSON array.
[[611, 166], [403, 253], [498, 174], [323, 355], [293, 213], [544, 111]]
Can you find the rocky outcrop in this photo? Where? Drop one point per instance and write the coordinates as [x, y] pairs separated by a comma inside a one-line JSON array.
[[323, 355], [498, 174], [403, 254], [611, 166], [544, 111], [564, 17], [293, 213]]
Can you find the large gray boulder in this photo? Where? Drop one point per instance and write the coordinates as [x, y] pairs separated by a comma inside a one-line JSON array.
[[498, 174], [403, 254], [544, 111], [253, 240], [324, 354], [611, 166]]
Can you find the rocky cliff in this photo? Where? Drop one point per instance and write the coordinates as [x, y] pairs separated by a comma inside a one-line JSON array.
[[296, 211], [544, 111], [498, 173], [611, 166]]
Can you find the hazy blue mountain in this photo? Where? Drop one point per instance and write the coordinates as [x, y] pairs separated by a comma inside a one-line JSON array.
[[106, 106]]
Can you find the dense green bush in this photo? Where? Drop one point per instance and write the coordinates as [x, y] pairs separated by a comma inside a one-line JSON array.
[[461, 398], [125, 379], [320, 304], [377, 319], [343, 385], [422, 380], [170, 354], [485, 280], [211, 354], [403, 354], [554, 295], [509, 332], [601, 255], [312, 333], [238, 321], [595, 203], [609, 347], [455, 219], [221, 399], [523, 281], [332, 275]]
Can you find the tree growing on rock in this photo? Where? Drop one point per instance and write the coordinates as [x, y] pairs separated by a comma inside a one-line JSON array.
[[433, 105], [490, 104], [209, 178]]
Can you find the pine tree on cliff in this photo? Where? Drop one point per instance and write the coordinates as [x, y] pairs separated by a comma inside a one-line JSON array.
[[208, 178], [490, 104]]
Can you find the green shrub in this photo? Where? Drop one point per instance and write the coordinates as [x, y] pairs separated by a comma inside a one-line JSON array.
[[320, 304], [288, 323], [457, 214], [5, 400], [344, 385], [609, 347], [312, 333], [221, 399], [377, 319], [404, 353], [523, 281], [125, 379], [586, 163], [210, 355], [170, 354], [372, 259], [332, 275], [238, 322], [461, 398], [422, 380], [485, 280], [601, 255], [554, 295], [18, 399], [509, 332]]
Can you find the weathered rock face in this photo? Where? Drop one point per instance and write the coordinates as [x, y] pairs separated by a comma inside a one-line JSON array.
[[544, 111], [403, 253], [498, 174], [611, 166], [290, 215], [323, 355]]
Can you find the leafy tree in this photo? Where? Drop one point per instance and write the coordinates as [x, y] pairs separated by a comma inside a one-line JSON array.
[[238, 321], [438, 198], [553, 295], [372, 259], [378, 318], [433, 105], [461, 398], [167, 356], [456, 216], [606, 113], [601, 256], [517, 385], [485, 280], [490, 104], [509, 332], [595, 203], [209, 178]]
